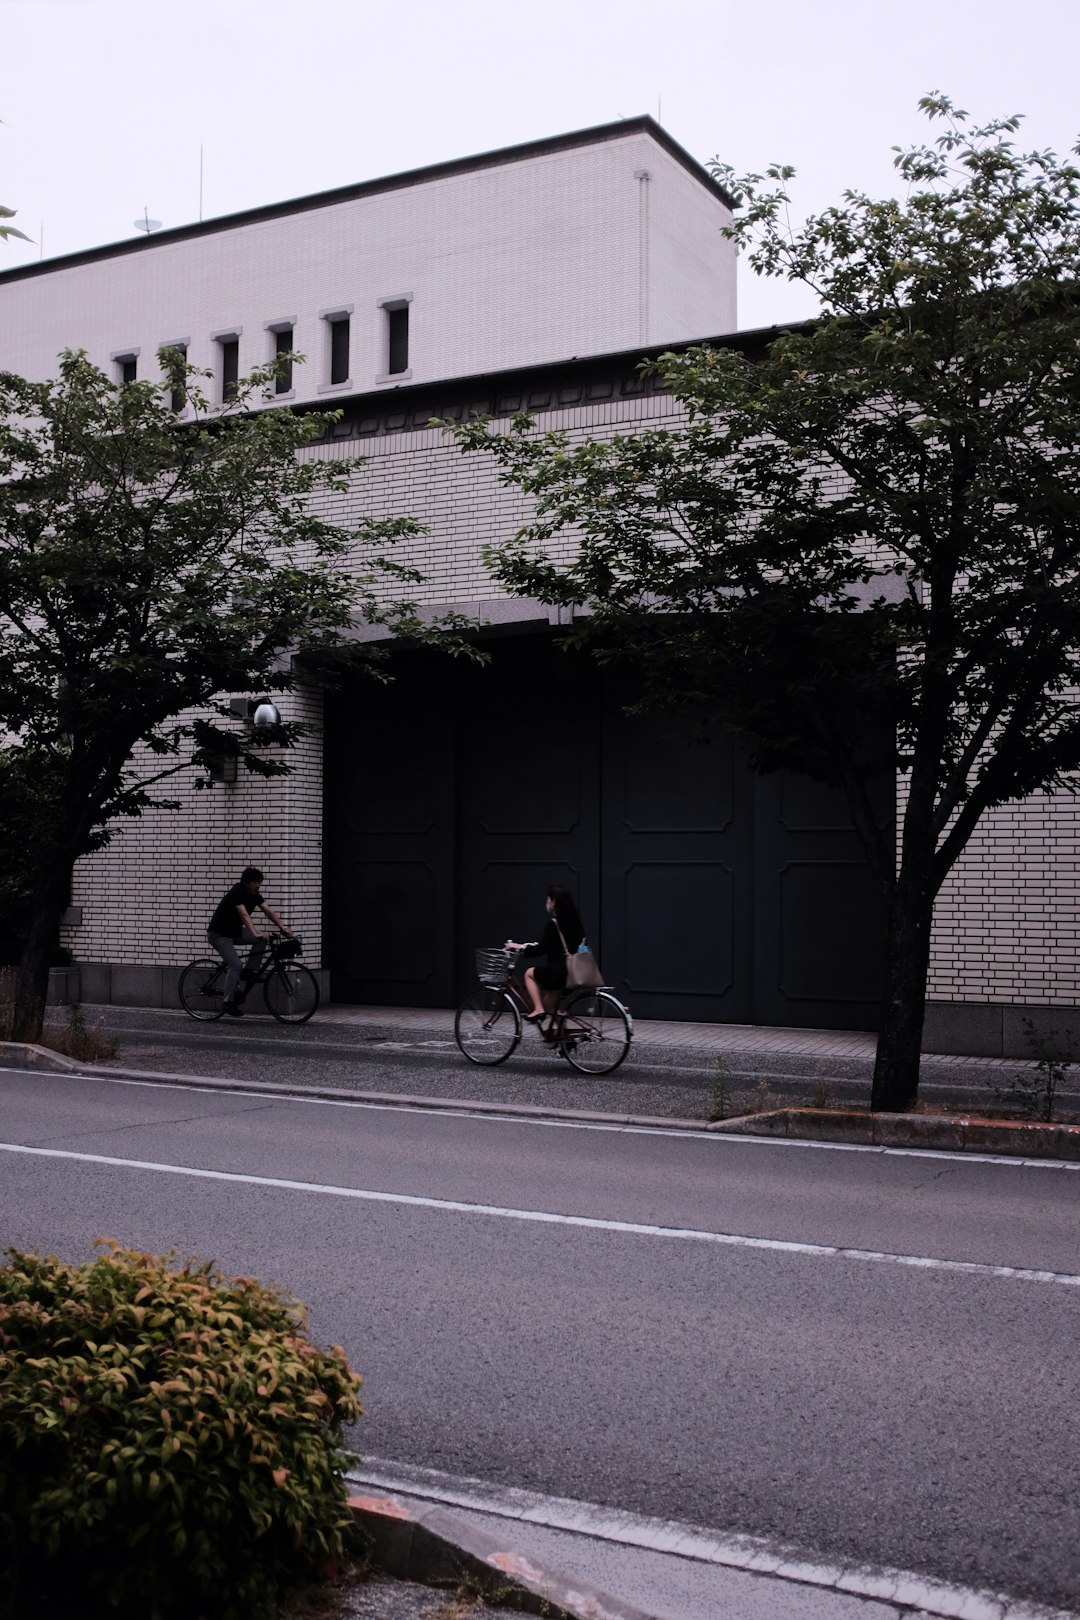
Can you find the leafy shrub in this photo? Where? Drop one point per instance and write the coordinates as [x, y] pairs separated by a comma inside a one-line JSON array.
[[170, 1442]]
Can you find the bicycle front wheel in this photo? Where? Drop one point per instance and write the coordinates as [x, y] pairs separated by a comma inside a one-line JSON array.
[[596, 1032], [291, 993], [202, 988], [487, 1027]]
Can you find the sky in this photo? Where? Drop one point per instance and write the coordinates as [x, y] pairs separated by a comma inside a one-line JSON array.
[[106, 105]]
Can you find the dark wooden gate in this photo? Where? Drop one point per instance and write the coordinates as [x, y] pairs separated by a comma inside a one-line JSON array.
[[456, 794]]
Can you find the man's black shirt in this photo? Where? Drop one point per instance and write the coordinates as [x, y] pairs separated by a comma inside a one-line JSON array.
[[226, 919]]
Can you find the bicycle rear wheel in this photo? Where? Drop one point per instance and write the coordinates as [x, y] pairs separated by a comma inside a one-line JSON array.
[[596, 1032], [487, 1026], [291, 993], [202, 988]]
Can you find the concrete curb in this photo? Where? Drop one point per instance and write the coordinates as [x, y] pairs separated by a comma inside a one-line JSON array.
[[20, 1055], [958, 1133], [381, 1099], [430, 1545]]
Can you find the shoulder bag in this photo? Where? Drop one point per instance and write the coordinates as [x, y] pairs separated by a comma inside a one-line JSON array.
[[582, 968]]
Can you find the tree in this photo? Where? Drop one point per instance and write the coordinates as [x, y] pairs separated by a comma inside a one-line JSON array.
[[875, 514], [150, 564]]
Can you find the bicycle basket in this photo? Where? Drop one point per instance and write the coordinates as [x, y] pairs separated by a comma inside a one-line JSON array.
[[492, 966], [286, 948]]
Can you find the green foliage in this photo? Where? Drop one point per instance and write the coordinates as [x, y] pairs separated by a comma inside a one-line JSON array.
[[151, 566], [170, 1442], [872, 519]]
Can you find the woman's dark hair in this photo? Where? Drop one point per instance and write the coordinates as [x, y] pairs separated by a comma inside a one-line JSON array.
[[566, 911]]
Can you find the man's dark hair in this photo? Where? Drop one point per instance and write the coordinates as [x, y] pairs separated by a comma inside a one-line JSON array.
[[251, 874]]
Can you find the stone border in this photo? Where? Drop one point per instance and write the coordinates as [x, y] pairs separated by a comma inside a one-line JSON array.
[[958, 1133], [430, 1545]]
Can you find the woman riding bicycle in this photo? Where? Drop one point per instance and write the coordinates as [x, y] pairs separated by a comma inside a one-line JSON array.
[[563, 933]]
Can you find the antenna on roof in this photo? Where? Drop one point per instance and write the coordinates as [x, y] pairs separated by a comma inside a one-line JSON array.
[[146, 223]]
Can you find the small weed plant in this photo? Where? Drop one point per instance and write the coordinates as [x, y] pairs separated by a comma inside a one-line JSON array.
[[760, 1100], [170, 1441], [1037, 1093], [80, 1039], [720, 1100], [821, 1095]]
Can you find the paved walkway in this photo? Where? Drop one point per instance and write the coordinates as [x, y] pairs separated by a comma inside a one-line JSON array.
[[648, 1032], [732, 1039]]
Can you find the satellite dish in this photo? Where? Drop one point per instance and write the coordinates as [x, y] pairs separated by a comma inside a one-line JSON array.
[[146, 223]]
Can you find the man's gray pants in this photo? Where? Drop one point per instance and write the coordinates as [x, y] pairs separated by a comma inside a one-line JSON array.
[[226, 949]]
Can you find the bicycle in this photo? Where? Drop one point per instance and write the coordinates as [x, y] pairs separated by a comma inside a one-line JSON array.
[[290, 990], [591, 1028]]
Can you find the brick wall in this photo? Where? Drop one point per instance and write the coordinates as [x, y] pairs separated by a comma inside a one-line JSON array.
[[146, 899]]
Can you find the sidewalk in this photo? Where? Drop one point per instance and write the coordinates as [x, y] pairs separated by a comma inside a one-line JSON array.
[[685, 1037]]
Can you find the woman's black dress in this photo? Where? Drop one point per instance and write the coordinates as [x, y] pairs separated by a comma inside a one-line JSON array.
[[551, 972]]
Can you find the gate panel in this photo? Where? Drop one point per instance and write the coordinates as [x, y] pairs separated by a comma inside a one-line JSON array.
[[678, 870], [455, 794], [528, 793], [389, 839]]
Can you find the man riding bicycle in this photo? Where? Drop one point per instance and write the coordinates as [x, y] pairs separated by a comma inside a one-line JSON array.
[[230, 926]]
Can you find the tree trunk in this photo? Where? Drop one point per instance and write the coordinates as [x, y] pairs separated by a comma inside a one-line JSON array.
[[32, 979], [907, 959]]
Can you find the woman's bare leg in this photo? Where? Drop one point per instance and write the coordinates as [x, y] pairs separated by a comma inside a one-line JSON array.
[[532, 989]]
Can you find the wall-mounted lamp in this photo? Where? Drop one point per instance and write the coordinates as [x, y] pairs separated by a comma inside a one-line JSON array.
[[259, 713], [266, 715]]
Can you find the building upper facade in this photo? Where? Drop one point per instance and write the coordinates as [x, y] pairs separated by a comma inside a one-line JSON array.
[[583, 244]]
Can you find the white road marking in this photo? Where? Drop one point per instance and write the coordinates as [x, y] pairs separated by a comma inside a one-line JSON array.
[[435, 1111], [755, 1554], [541, 1217]]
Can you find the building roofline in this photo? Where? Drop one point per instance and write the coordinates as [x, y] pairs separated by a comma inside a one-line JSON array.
[[532, 388], [499, 157], [753, 339]]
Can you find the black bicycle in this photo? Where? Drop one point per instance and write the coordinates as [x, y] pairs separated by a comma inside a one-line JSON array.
[[591, 1028], [290, 990]]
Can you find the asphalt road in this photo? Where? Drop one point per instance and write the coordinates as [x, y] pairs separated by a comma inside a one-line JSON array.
[[656, 1321]]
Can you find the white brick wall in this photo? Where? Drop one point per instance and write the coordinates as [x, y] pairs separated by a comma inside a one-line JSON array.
[[1007, 926], [146, 899]]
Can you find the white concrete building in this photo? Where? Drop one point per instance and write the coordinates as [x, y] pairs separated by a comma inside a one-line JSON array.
[[567, 247], [424, 819]]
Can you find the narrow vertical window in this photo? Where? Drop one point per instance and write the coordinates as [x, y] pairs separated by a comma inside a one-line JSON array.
[[126, 362], [398, 338], [283, 342], [395, 337], [230, 367], [339, 350], [336, 355]]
